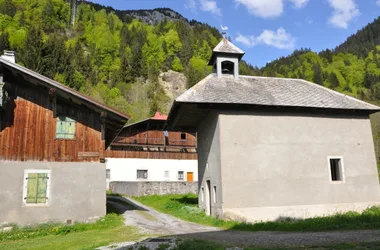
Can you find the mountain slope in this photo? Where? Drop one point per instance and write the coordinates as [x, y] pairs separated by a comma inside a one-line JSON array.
[[114, 56]]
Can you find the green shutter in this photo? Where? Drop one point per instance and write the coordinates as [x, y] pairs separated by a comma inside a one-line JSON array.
[[65, 128], [37, 188]]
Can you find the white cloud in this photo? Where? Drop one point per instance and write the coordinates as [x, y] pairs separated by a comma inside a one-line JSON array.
[[210, 6], [279, 39], [378, 2], [299, 3], [263, 8], [204, 5], [344, 12], [269, 8]]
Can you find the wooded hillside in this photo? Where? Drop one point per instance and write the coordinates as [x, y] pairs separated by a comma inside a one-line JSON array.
[[117, 56], [116, 62]]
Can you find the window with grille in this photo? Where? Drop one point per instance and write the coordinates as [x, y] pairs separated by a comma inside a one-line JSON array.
[[108, 173], [180, 175], [36, 187], [65, 128], [142, 174]]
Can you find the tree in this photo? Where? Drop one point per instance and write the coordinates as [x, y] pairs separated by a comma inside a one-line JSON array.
[[32, 53], [318, 76], [334, 82], [4, 42], [7, 7]]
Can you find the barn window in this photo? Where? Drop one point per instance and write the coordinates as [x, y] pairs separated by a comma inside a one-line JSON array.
[[180, 175], [108, 174], [142, 174], [65, 128], [183, 136], [36, 187], [336, 169]]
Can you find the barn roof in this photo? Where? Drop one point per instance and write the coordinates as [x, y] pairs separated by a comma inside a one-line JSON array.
[[115, 119]]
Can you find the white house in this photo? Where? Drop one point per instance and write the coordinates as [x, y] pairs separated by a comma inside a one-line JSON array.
[[271, 148], [143, 151]]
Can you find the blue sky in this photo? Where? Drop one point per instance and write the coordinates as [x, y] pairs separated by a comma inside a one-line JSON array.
[[269, 29]]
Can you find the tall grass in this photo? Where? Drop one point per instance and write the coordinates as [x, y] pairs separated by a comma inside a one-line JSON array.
[[186, 208]]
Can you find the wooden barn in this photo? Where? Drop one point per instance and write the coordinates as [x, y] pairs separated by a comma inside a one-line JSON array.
[[143, 151], [52, 139]]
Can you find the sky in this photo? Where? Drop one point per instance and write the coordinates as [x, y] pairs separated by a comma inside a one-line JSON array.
[[269, 29]]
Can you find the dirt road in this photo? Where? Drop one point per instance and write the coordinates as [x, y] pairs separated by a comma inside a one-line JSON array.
[[150, 221]]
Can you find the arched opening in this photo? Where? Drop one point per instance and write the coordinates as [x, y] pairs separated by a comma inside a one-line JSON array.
[[228, 68]]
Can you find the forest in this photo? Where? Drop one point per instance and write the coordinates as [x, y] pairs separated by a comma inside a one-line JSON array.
[[116, 62], [116, 58]]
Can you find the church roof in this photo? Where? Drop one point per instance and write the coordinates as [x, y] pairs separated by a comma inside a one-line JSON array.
[[269, 91]]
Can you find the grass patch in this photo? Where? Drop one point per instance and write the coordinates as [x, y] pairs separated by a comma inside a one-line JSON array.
[[80, 240], [109, 221], [186, 207], [109, 229]]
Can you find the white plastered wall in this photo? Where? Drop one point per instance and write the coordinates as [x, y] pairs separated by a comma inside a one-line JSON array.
[[125, 169], [278, 166]]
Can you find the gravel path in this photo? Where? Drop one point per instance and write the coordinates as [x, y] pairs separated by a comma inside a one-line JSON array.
[[150, 221]]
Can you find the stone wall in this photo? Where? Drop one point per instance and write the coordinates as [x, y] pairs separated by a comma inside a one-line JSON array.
[[150, 188]]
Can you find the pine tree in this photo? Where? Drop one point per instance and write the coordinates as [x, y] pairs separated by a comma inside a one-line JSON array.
[[318, 76], [32, 53]]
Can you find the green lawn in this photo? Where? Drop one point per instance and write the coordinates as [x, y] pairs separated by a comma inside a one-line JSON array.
[[107, 230], [186, 208]]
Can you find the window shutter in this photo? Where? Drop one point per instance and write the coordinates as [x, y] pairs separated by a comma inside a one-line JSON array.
[[37, 188], [65, 128]]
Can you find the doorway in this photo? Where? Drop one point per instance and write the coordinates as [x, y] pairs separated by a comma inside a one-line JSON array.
[[190, 176], [208, 198]]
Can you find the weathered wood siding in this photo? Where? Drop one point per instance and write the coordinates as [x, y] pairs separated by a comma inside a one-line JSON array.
[[27, 130], [155, 137], [135, 142]]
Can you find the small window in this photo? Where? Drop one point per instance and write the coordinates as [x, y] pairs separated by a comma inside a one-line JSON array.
[[142, 174], [167, 174], [214, 194], [202, 194], [336, 169], [180, 175], [183, 136], [65, 128], [36, 187], [108, 174]]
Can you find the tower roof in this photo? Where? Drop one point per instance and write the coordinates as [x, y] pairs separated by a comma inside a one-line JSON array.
[[225, 47]]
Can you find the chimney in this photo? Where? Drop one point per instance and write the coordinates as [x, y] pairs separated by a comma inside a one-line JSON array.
[[9, 56]]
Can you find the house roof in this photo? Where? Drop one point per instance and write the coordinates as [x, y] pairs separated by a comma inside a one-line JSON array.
[[260, 94], [159, 116], [115, 120], [270, 91]]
